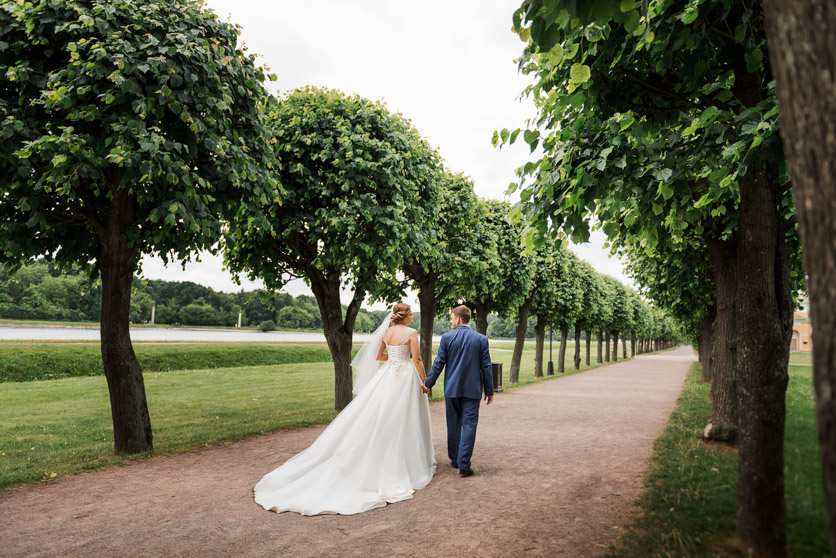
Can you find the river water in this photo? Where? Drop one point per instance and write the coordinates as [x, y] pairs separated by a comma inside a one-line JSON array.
[[71, 333]]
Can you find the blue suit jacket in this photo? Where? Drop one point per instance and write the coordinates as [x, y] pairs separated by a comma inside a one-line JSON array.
[[465, 354]]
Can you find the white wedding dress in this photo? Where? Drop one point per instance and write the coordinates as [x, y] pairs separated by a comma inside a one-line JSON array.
[[378, 450]]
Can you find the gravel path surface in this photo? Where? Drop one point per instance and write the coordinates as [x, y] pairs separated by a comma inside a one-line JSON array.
[[558, 467]]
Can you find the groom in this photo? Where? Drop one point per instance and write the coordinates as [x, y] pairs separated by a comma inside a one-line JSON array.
[[465, 353]]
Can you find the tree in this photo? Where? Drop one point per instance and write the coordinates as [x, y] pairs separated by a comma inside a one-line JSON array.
[[800, 37], [692, 109], [558, 301], [364, 322], [680, 278], [505, 284], [292, 317], [621, 313], [553, 277], [588, 304], [141, 304], [197, 313], [128, 128], [358, 180], [601, 316], [452, 258]]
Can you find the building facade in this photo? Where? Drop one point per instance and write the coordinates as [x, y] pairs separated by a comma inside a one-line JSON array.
[[802, 329]]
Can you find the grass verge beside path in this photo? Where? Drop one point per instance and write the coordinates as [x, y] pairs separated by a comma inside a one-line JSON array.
[[64, 426], [26, 362], [689, 506]]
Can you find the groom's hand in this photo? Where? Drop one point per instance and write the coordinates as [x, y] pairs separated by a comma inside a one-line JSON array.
[[489, 399]]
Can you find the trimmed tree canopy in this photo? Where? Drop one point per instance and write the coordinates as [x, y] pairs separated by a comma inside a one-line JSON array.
[[358, 180], [125, 128]]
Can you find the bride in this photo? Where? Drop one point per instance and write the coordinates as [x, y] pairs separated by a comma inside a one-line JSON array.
[[379, 449]]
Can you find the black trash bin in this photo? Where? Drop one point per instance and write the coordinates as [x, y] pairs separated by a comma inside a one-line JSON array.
[[497, 376]]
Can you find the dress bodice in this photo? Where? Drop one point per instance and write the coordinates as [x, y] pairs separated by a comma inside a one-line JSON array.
[[400, 353]]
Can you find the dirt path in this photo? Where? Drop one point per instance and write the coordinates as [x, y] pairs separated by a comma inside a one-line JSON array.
[[558, 466]]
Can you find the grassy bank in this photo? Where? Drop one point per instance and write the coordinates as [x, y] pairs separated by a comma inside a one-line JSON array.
[[26, 362], [689, 505], [64, 426]]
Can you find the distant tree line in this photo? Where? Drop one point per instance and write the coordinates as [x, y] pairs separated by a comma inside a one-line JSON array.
[[41, 291]]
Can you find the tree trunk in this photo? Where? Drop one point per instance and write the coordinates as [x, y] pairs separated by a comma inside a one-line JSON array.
[[705, 343], [607, 344], [540, 338], [764, 322], [338, 332], [481, 317], [428, 304], [600, 356], [522, 327], [561, 359], [723, 423], [615, 346], [801, 36], [623, 345], [632, 343], [588, 343], [577, 346], [128, 405], [764, 326]]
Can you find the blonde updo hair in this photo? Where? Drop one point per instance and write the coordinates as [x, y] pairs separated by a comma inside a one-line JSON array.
[[400, 312]]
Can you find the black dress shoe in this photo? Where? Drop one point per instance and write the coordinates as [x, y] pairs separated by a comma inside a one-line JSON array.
[[454, 465], [466, 472]]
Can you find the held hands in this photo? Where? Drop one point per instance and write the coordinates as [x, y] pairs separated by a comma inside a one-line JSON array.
[[427, 390], [489, 399]]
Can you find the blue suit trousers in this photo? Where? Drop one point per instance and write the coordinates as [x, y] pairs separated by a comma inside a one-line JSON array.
[[462, 417]]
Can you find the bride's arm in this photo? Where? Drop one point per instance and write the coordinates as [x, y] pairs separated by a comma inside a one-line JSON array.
[[416, 357], [380, 354]]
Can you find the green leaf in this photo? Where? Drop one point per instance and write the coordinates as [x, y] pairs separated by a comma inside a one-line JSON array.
[[627, 5], [593, 34], [627, 121], [579, 73], [631, 25], [531, 137], [662, 174], [690, 15], [754, 60]]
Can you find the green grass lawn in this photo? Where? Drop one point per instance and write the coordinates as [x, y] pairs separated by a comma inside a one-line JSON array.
[[64, 426], [801, 358], [689, 506], [23, 362]]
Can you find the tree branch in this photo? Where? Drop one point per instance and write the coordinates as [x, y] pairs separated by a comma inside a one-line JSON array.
[[659, 90]]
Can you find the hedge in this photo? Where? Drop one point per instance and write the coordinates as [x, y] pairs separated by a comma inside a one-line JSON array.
[[26, 362]]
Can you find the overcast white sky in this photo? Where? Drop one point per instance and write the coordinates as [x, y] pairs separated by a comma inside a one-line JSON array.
[[447, 66]]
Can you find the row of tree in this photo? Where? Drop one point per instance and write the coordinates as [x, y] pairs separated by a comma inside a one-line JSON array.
[[141, 127], [660, 121], [409, 224], [40, 291]]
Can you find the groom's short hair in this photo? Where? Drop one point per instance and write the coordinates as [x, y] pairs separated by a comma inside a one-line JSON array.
[[462, 312]]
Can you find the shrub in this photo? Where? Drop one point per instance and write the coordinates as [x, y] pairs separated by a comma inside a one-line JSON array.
[[267, 325]]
